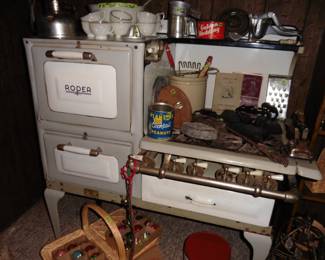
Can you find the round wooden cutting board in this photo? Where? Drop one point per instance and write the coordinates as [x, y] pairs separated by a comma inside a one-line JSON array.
[[178, 99]]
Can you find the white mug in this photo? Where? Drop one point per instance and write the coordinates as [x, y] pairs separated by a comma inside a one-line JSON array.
[[119, 15], [147, 29], [160, 16], [147, 17], [121, 28], [101, 29]]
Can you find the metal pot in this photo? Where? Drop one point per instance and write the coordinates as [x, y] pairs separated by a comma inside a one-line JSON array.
[[56, 22], [57, 27]]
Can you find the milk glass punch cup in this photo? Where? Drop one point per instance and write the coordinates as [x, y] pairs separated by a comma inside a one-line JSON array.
[[149, 23], [121, 22]]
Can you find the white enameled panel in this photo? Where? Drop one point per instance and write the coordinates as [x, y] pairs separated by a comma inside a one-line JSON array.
[[83, 89], [101, 167], [75, 165], [207, 200]]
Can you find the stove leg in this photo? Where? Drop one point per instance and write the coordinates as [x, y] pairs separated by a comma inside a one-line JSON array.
[[52, 198], [261, 245]]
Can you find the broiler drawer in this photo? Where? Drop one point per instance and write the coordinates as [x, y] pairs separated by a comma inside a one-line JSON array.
[[207, 200], [73, 164]]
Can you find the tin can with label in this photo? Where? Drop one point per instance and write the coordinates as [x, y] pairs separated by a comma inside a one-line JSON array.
[[161, 121], [211, 30]]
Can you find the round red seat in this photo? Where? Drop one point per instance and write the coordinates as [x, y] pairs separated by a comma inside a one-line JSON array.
[[206, 245]]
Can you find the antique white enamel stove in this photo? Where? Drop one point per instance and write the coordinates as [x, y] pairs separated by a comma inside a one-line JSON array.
[[91, 100]]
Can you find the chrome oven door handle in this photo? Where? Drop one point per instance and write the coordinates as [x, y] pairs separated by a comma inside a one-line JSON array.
[[78, 150], [70, 55], [202, 202]]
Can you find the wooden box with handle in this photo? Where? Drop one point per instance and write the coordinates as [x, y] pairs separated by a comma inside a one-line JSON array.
[[104, 239]]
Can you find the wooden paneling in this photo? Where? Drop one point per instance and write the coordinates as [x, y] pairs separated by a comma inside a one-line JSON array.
[[21, 175]]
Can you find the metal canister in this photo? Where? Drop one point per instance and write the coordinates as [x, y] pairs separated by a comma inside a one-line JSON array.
[[177, 22], [161, 121], [179, 8], [211, 30]]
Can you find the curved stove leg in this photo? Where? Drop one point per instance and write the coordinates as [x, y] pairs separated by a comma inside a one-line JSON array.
[[261, 245], [52, 198]]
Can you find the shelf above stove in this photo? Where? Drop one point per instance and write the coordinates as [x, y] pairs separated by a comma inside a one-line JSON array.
[[242, 43]]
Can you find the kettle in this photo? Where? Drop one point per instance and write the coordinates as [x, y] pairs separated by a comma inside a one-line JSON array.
[[55, 23]]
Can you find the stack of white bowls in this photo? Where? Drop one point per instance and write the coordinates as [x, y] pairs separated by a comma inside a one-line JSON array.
[[110, 19], [149, 23], [96, 25], [121, 22]]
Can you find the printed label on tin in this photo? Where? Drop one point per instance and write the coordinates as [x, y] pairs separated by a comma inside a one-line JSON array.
[[211, 30], [160, 124]]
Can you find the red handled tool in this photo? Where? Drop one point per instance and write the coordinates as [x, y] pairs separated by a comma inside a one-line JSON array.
[[170, 58], [127, 173]]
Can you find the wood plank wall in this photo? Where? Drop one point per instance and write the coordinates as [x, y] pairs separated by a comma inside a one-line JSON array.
[[21, 176], [307, 15]]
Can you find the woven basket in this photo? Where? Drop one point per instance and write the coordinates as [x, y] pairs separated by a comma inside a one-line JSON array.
[[111, 247]]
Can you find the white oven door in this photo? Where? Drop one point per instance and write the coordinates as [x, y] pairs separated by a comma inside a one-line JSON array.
[[71, 159], [92, 92], [81, 88]]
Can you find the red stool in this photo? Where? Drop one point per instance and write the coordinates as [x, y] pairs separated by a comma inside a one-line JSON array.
[[207, 246]]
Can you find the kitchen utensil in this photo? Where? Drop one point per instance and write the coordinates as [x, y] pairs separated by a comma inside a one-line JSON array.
[[176, 25], [179, 24], [236, 23], [178, 8], [259, 25], [189, 65], [191, 29], [206, 67], [170, 58], [134, 32], [177, 98]]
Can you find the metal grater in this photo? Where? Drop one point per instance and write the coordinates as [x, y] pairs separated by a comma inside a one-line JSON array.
[[278, 91]]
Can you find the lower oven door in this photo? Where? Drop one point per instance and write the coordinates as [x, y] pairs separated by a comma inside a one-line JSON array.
[[211, 201], [91, 163]]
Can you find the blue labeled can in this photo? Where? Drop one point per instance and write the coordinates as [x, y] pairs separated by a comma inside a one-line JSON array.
[[161, 121]]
